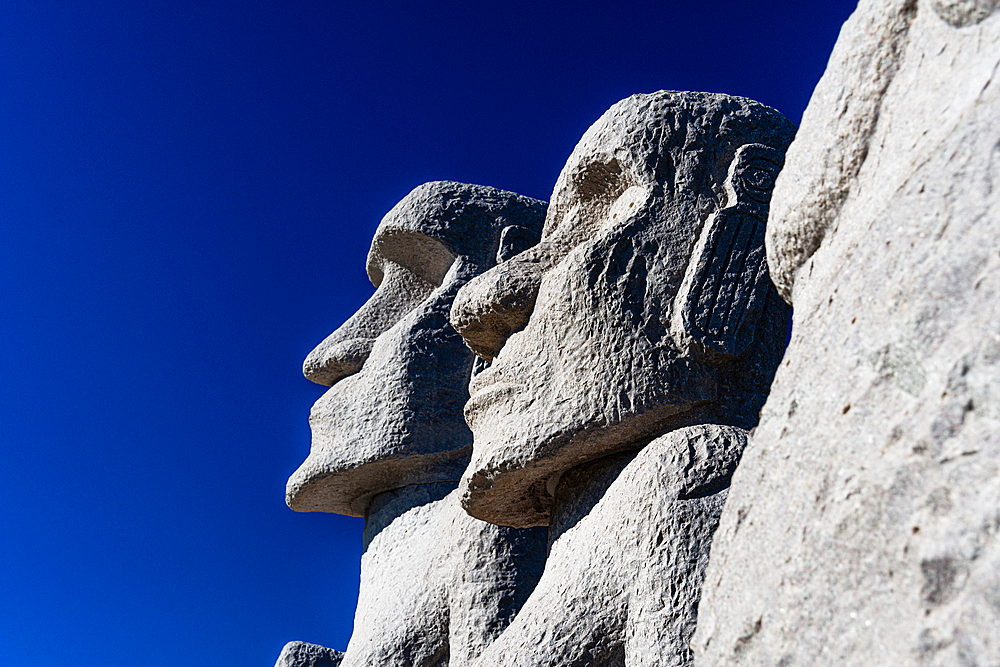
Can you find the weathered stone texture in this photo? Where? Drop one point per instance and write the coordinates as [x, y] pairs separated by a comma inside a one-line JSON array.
[[437, 586], [399, 372], [390, 443], [862, 523], [838, 127], [622, 582], [646, 312], [301, 654]]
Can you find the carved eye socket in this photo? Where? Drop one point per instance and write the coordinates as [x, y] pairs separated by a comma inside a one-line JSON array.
[[759, 178]]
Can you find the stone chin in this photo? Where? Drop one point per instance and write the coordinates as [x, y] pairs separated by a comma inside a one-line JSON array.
[[523, 448]]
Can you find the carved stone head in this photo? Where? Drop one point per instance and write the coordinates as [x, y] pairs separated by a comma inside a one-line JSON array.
[[398, 372], [646, 307]]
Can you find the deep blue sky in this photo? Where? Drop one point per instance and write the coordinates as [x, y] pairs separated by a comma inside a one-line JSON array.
[[188, 193]]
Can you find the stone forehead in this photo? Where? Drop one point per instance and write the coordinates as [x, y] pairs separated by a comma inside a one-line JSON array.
[[684, 140], [441, 220], [642, 126]]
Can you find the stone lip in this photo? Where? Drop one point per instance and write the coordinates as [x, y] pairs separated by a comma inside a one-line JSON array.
[[523, 497], [601, 365], [315, 488]]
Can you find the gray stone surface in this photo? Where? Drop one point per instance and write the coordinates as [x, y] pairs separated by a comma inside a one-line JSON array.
[[861, 526], [645, 311], [390, 442], [399, 372], [839, 123], [437, 586], [622, 583], [645, 308], [301, 654]]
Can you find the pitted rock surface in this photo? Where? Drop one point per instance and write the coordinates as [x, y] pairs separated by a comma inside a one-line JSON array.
[[398, 371], [437, 586], [301, 654], [862, 524], [390, 442]]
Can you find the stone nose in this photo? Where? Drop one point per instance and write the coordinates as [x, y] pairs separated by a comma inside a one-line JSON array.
[[344, 352], [498, 303], [336, 358]]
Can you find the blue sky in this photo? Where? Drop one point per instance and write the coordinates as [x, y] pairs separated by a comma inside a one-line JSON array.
[[189, 190]]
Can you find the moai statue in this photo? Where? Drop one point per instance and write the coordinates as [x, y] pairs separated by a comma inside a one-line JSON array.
[[390, 443], [631, 351]]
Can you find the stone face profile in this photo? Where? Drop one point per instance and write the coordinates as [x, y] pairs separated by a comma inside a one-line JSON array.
[[389, 440], [649, 323], [645, 308], [862, 524], [399, 373]]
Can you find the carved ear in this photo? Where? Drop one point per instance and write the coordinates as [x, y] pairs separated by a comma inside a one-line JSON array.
[[726, 283], [514, 240]]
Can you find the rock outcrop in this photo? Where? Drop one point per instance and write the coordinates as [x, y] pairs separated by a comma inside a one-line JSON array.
[[301, 654], [862, 523]]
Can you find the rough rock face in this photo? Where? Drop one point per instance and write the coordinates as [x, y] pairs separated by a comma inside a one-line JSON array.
[[301, 654], [622, 583], [437, 586], [646, 306], [862, 524]]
